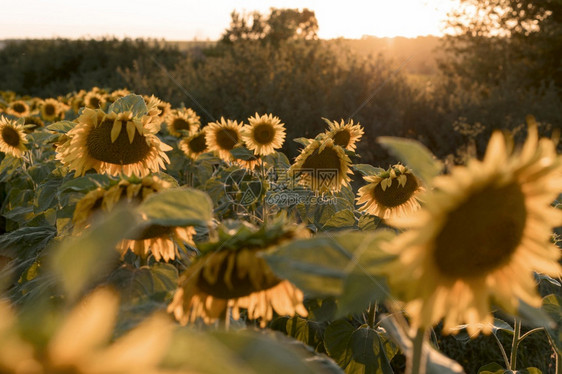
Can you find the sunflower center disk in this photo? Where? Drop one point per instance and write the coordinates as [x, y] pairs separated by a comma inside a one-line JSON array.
[[227, 139], [94, 102], [153, 231], [198, 144], [482, 233], [121, 151], [180, 124], [241, 286], [395, 194], [49, 110], [19, 108], [342, 138], [11, 136], [264, 133]]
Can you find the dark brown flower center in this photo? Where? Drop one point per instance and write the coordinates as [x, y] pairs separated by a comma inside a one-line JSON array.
[[152, 231], [94, 102], [481, 233], [395, 194], [342, 138], [161, 108], [119, 152], [180, 124], [241, 286], [227, 138], [50, 109], [324, 168], [264, 133], [198, 144], [19, 108], [11, 136]]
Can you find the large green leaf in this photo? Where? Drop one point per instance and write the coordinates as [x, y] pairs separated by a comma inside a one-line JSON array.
[[178, 207], [366, 169], [62, 126], [307, 331], [130, 103], [415, 155], [552, 305]]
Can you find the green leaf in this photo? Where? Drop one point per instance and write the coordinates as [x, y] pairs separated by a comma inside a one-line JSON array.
[[356, 350], [366, 169], [157, 282], [491, 368], [303, 141], [368, 222], [359, 291], [178, 207], [85, 183], [242, 153], [552, 305], [415, 155], [84, 259], [277, 160], [341, 219], [130, 103], [304, 330], [62, 126]]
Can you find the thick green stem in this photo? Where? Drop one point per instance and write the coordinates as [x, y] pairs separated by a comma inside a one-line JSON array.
[[418, 362], [515, 344], [372, 314]]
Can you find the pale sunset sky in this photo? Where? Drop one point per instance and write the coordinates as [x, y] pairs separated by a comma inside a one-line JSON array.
[[207, 19]]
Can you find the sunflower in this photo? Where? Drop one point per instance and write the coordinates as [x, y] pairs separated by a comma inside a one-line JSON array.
[[182, 120], [32, 123], [158, 107], [323, 166], [483, 232], [95, 99], [18, 108], [264, 134], [117, 94], [230, 274], [12, 137], [392, 193], [159, 240], [223, 136], [77, 101], [195, 144], [250, 164], [113, 143], [345, 134], [52, 109]]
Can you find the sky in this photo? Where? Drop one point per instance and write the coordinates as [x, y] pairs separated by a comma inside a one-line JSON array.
[[207, 19]]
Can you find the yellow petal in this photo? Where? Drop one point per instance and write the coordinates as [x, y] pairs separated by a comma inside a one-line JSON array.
[[131, 131], [115, 131]]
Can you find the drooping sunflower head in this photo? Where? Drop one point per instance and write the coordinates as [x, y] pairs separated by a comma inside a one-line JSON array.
[[482, 234], [52, 109], [161, 241], [195, 144], [32, 122], [157, 108], [223, 136], [390, 193], [345, 134], [322, 166], [12, 137], [18, 108], [264, 134], [182, 121], [114, 143], [230, 274]]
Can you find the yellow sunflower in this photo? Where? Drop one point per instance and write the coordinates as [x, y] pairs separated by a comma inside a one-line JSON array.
[[52, 109], [117, 94], [32, 123], [195, 144], [230, 274], [483, 232], [223, 136], [392, 193], [264, 134], [345, 134], [12, 137], [182, 120], [18, 108], [77, 101], [161, 241], [250, 164], [113, 143], [322, 166], [158, 107], [95, 99]]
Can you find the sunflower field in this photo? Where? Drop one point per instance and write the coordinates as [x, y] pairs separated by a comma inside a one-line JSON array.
[[137, 239]]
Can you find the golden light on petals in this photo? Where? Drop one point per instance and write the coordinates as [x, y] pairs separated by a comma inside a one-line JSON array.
[[18, 108], [392, 193], [322, 166], [12, 137], [264, 134], [223, 136], [195, 144], [113, 144], [52, 109], [182, 120], [95, 100], [482, 234], [345, 134]]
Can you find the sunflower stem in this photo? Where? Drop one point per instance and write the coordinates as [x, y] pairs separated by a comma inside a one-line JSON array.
[[515, 343], [371, 314], [417, 361], [504, 354]]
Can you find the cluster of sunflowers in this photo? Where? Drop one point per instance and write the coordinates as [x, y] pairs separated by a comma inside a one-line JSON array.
[[465, 240]]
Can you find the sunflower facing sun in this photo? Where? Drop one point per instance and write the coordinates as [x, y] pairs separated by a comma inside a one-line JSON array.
[[483, 232], [195, 144], [392, 193], [182, 120], [264, 134], [229, 274], [114, 143], [18, 108], [52, 109], [224, 136], [345, 134], [12, 137]]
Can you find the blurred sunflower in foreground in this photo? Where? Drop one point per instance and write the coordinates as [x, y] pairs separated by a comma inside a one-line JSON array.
[[223, 136], [161, 241], [391, 193], [344, 134], [264, 134], [82, 344], [114, 143], [482, 234], [230, 274], [12, 137], [322, 166]]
